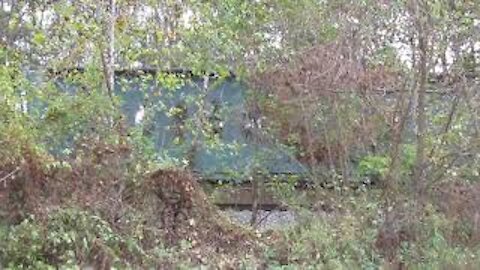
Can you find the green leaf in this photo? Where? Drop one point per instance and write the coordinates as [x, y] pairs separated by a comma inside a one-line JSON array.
[[39, 38]]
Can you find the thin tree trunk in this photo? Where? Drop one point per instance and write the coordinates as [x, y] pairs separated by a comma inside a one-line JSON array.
[[310, 150], [109, 59], [343, 143], [255, 198], [391, 179], [421, 118]]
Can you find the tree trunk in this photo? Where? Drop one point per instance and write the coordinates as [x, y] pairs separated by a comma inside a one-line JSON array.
[[421, 118], [109, 59], [391, 179], [255, 198]]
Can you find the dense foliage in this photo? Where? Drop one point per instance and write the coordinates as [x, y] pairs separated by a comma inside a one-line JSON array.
[[377, 99]]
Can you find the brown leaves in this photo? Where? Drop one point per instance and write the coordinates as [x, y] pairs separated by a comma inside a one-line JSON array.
[[324, 70]]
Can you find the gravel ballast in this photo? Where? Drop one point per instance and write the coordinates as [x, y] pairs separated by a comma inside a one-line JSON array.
[[266, 220]]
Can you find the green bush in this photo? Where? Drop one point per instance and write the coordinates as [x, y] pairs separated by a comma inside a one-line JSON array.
[[374, 167], [67, 237]]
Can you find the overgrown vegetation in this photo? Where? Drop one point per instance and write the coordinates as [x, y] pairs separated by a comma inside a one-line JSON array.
[[376, 100]]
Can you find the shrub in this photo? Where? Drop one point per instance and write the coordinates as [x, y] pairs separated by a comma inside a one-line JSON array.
[[373, 167], [333, 241], [66, 237]]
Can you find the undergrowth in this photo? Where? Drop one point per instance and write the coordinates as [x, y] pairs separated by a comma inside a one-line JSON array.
[[108, 201], [347, 238]]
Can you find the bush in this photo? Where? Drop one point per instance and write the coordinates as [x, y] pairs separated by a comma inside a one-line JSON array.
[[374, 167], [432, 248], [342, 239], [67, 237]]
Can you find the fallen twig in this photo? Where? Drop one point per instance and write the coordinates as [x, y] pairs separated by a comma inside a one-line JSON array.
[[265, 217], [4, 178]]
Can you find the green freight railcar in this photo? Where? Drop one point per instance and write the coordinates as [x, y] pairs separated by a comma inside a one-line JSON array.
[[174, 119]]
